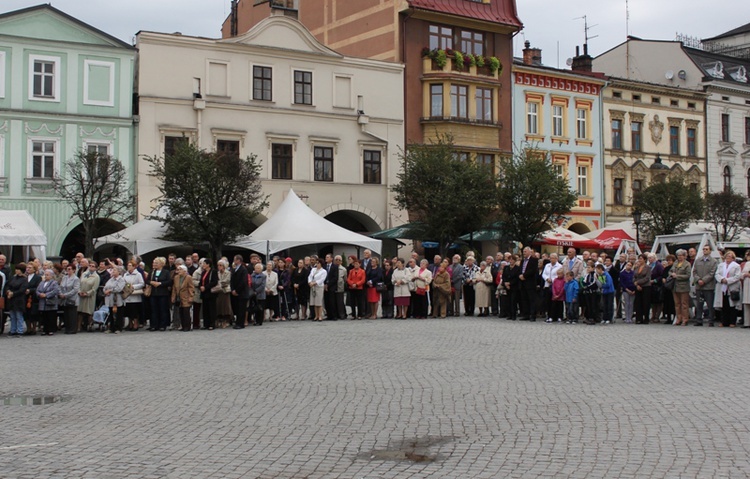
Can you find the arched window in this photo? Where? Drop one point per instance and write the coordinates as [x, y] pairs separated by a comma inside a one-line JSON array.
[[727, 179]]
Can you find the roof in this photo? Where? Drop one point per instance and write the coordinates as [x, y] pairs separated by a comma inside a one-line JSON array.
[[495, 11], [705, 60], [45, 6], [737, 31], [595, 76]]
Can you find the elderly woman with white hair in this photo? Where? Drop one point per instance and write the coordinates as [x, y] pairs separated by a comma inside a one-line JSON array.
[[113, 300], [197, 301], [482, 289], [48, 292], [223, 302], [422, 278], [728, 290]]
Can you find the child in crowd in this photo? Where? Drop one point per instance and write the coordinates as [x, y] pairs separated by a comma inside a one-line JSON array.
[[607, 288], [591, 294], [571, 298], [558, 297]]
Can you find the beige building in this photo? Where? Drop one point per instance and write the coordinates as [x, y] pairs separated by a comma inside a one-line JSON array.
[[327, 125], [651, 132]]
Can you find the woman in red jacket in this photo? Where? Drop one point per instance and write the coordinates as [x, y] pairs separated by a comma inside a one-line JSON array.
[[356, 282]]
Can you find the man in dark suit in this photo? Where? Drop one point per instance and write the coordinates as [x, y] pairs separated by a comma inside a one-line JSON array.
[[614, 273], [240, 291], [527, 280], [329, 296]]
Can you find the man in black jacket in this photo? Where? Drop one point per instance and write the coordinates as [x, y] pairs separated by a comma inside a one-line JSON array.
[[528, 280], [329, 296], [240, 291]]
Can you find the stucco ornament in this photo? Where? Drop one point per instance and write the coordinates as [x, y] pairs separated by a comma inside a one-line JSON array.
[[657, 128]]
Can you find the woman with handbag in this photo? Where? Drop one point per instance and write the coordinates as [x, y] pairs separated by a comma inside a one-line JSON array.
[[482, 282], [401, 280], [113, 300], [316, 280], [70, 285], [197, 301], [209, 289], [680, 274], [224, 311], [442, 284], [301, 289], [511, 280], [47, 292], [133, 294], [272, 292], [375, 284], [87, 295], [642, 281], [667, 288], [728, 291], [182, 295], [422, 279], [387, 293], [32, 300], [160, 282], [356, 282]]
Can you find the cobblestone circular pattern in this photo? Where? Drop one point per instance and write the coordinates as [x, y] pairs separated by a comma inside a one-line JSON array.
[[454, 398]]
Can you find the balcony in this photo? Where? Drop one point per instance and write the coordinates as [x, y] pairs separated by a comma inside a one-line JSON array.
[[456, 119], [454, 63]]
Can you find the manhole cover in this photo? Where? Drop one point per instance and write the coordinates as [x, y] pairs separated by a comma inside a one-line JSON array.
[[415, 450], [38, 400]]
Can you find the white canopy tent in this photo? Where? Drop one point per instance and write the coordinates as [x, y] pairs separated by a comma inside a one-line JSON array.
[[18, 228], [295, 224], [139, 238]]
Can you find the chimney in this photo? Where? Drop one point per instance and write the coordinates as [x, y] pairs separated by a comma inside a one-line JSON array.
[[582, 63], [233, 19], [531, 56]]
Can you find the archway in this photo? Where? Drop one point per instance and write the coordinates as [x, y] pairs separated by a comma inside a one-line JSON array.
[[579, 228], [73, 242], [353, 221]]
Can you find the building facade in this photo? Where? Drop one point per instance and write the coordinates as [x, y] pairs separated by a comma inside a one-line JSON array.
[[557, 113], [722, 78], [651, 133], [446, 89], [64, 87], [326, 125]]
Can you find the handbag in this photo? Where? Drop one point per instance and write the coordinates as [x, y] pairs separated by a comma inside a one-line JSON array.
[[381, 287], [421, 291], [217, 289], [669, 283], [127, 290], [147, 291], [734, 296]]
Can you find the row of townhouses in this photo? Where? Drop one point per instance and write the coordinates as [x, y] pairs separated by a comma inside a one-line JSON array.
[[327, 93]]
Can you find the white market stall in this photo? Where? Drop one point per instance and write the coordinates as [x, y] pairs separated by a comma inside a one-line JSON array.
[[18, 228], [140, 238]]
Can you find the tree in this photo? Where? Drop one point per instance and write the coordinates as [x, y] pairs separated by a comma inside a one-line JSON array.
[[668, 207], [447, 195], [96, 187], [727, 212], [531, 197], [208, 197]]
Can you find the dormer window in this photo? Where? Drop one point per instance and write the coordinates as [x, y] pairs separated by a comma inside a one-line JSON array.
[[738, 73], [715, 69]]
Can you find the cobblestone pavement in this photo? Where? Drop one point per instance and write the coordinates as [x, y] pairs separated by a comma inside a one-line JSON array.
[[457, 398]]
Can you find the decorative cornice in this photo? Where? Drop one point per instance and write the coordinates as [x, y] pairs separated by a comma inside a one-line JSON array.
[[98, 129], [58, 131]]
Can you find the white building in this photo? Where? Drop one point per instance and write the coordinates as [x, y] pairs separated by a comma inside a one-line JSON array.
[[726, 81], [329, 126]]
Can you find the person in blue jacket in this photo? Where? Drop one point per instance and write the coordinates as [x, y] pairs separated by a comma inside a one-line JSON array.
[[571, 298], [607, 288]]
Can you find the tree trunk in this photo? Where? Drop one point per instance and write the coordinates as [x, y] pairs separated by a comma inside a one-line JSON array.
[[88, 239]]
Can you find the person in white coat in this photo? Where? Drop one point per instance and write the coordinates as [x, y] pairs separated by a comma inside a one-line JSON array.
[[728, 291], [401, 280], [745, 275]]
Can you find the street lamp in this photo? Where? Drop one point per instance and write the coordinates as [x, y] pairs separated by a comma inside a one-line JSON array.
[[637, 222]]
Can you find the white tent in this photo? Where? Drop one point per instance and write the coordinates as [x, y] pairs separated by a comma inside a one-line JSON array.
[[295, 224], [18, 228], [139, 238]]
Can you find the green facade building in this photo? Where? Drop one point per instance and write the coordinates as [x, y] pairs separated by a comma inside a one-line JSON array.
[[65, 86]]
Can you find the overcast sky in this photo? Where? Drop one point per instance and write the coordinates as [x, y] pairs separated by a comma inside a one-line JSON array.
[[546, 22]]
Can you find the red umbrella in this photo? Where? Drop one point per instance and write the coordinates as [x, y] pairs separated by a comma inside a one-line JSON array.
[[611, 239], [567, 238]]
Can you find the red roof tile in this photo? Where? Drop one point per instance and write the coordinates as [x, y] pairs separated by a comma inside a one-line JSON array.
[[497, 11]]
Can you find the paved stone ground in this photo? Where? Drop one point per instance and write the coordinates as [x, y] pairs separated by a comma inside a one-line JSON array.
[[456, 398]]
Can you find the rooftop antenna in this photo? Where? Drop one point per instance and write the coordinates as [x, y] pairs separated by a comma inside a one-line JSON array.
[[586, 29], [627, 39]]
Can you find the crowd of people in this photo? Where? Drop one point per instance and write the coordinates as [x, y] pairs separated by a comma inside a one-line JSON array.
[[191, 293]]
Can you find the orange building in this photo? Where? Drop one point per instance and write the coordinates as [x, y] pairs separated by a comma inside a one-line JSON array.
[[457, 56]]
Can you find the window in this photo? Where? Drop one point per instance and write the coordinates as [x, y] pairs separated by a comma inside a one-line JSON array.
[[172, 143], [617, 134], [532, 118], [101, 149], [583, 181], [281, 161], [43, 159], [484, 104], [724, 127], [372, 167], [44, 78], [727, 175], [323, 158], [230, 148], [691, 105], [559, 170], [637, 188], [656, 100], [674, 140], [460, 156], [441, 38], [436, 100], [616, 94], [262, 85], [459, 101], [636, 128], [674, 103], [472, 42], [487, 160], [691, 151], [557, 120], [747, 130], [302, 87], [617, 191], [693, 187], [581, 120], [636, 97]]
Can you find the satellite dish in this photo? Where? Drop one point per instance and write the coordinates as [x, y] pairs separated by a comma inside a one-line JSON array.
[[669, 74], [682, 74], [569, 62]]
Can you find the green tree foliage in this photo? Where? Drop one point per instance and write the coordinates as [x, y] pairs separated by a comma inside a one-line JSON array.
[[530, 197], [725, 212], [668, 208], [208, 197], [447, 195], [95, 186]]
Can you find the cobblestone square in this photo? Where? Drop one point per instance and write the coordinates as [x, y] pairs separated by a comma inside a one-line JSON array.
[[454, 398]]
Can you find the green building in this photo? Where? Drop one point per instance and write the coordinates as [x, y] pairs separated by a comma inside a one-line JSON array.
[[65, 86]]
